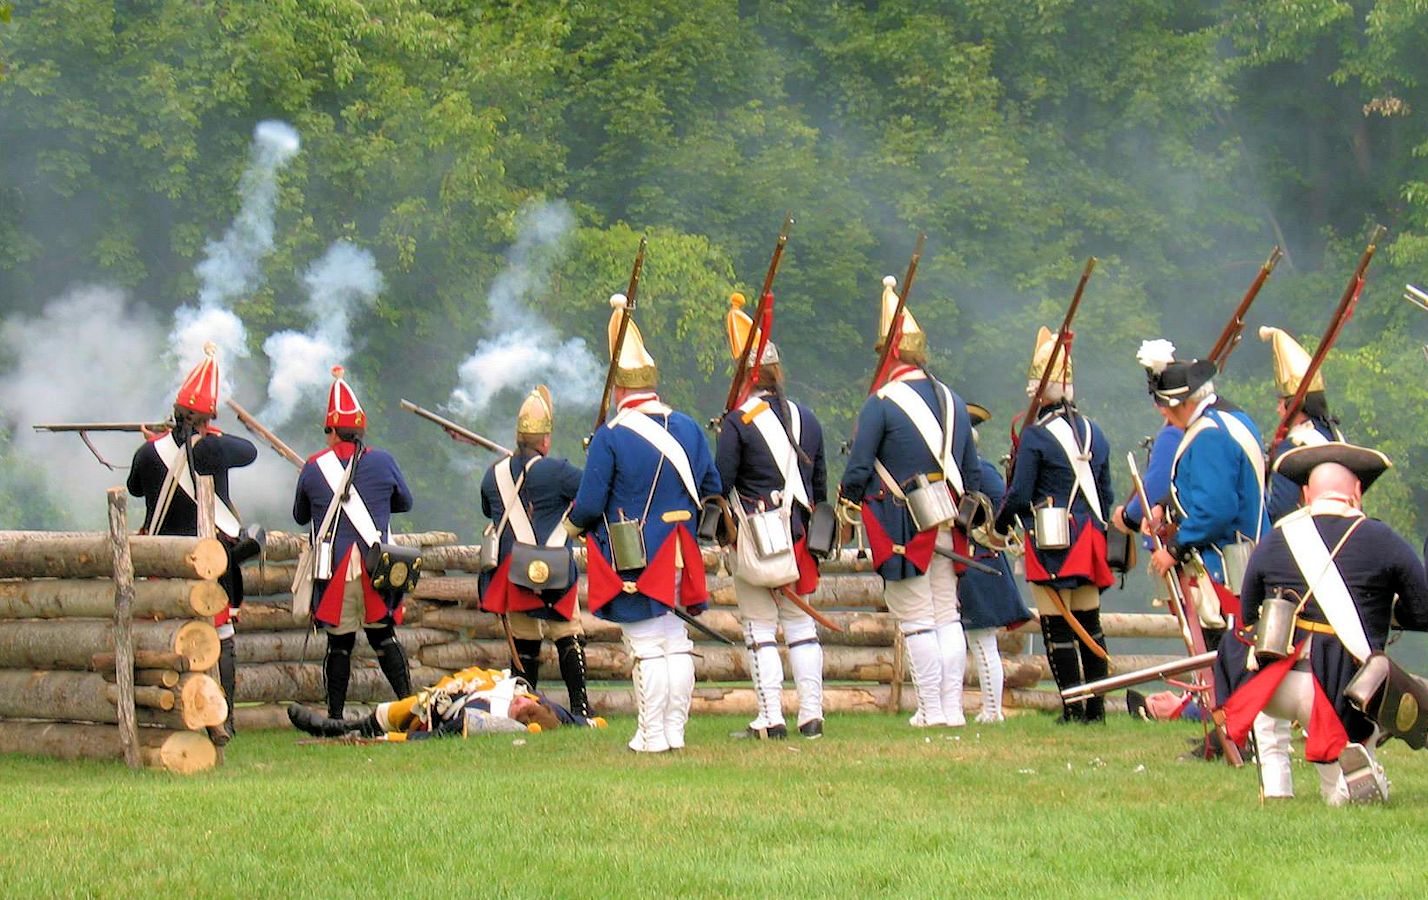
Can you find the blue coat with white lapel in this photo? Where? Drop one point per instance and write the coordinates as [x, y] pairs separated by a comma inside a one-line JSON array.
[[747, 466], [1216, 490], [620, 470], [548, 490], [1043, 470], [884, 432]]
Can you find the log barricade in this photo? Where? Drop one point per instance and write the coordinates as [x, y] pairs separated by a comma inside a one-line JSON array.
[[57, 653], [61, 642]]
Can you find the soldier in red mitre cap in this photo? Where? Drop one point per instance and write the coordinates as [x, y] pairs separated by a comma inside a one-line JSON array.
[[370, 489], [165, 473]]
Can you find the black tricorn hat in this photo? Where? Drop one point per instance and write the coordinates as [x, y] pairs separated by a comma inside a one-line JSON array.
[[1179, 380], [978, 413], [1366, 464]]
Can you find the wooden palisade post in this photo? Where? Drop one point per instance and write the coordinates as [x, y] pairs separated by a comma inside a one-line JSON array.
[[123, 626]]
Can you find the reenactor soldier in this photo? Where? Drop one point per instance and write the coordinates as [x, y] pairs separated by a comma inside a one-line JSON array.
[[913, 439], [1312, 425], [1337, 573], [646, 470], [527, 495], [770, 460], [989, 602], [347, 495], [164, 472], [1061, 490], [1217, 497]]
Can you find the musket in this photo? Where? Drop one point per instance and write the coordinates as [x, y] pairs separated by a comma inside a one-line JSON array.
[[967, 561], [455, 430], [1139, 676], [83, 429], [895, 326], [1190, 631], [763, 319], [1062, 344], [1341, 316], [1229, 338], [625, 314], [257, 428], [789, 594], [699, 626]]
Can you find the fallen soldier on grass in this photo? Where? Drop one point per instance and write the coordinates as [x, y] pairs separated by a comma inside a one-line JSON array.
[[468, 702]]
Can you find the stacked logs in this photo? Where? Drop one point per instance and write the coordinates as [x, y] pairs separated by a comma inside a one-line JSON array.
[[60, 644]]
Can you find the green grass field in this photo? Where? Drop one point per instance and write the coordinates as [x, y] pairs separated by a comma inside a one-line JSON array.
[[1025, 808]]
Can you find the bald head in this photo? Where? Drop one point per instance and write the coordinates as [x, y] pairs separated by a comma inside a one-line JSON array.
[[1333, 478]]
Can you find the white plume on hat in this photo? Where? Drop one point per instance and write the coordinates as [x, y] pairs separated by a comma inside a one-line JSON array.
[[1156, 355]]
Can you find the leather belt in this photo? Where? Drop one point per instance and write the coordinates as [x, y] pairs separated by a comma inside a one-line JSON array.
[[1315, 627]]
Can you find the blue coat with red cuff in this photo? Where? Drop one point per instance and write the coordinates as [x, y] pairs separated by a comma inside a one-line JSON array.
[[1043, 470], [886, 433], [746, 464], [548, 490], [620, 478], [384, 492]]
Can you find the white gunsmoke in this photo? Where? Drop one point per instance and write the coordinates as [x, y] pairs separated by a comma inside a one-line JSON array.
[[525, 349], [232, 266], [344, 282]]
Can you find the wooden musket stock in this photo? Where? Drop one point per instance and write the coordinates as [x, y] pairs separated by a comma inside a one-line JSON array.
[[452, 428], [1229, 338], [625, 315], [273, 440]]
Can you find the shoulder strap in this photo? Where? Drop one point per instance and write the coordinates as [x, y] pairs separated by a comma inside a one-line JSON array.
[[936, 435], [513, 511], [177, 477], [354, 508], [767, 423], [1326, 583], [1080, 459], [664, 442]]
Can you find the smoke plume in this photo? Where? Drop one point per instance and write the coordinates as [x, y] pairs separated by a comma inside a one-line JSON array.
[[345, 281], [231, 267], [524, 349]]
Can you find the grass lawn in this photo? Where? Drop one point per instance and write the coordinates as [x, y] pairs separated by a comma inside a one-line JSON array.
[[1025, 808]]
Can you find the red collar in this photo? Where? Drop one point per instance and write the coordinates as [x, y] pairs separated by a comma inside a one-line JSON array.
[[903, 370], [636, 399]]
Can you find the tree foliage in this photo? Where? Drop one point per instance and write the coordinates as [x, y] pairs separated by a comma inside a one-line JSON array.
[[1176, 141]]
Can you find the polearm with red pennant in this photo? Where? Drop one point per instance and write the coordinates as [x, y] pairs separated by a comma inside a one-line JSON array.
[[746, 373], [894, 337], [1229, 338], [626, 313], [1062, 346], [1342, 314]]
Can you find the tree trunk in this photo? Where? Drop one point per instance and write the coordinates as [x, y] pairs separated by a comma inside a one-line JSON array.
[[72, 643], [164, 678], [77, 696], [145, 697], [93, 598], [284, 546], [170, 751], [288, 682], [42, 554], [287, 646], [265, 615], [143, 659], [201, 701]]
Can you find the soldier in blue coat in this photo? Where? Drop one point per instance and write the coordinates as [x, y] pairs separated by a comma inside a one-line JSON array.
[[1063, 461], [1351, 577], [344, 598], [770, 459], [989, 602], [1312, 425], [913, 434], [525, 497], [1217, 498], [646, 471]]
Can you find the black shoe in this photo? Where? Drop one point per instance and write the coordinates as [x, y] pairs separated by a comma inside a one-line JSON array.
[[812, 729], [1135, 705], [314, 723], [219, 735], [771, 733]]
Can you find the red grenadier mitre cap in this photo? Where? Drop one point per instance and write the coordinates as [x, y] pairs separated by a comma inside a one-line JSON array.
[[199, 391], [343, 410]]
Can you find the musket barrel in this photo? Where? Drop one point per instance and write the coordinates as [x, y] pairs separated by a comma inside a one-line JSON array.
[[626, 313], [1229, 337], [453, 428], [102, 426], [1139, 676], [277, 443]]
